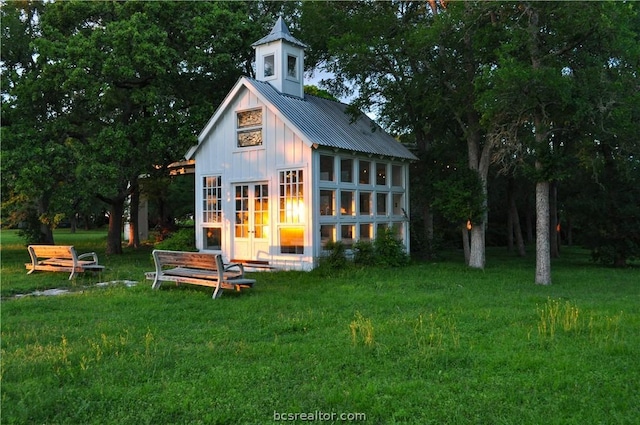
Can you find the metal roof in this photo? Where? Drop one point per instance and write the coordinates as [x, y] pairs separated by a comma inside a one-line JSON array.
[[279, 32], [327, 123]]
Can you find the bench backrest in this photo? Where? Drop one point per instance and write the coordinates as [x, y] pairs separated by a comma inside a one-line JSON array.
[[52, 251], [193, 260]]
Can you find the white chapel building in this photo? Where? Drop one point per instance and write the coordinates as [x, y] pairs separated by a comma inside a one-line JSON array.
[[280, 173]]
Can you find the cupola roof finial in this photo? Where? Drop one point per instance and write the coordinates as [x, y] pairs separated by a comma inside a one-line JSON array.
[[280, 32]]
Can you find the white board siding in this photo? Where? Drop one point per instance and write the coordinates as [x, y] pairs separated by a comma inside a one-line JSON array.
[[281, 149]]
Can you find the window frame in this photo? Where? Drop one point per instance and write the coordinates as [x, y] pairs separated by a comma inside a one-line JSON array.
[[295, 68], [273, 66], [249, 128], [211, 214]]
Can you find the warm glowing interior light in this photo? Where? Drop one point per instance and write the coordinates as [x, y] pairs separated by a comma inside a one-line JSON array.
[[469, 225], [294, 210]]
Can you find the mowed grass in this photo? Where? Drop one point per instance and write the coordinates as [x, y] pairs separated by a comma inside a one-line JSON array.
[[432, 343]]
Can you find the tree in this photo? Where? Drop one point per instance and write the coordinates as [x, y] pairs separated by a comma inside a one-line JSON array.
[[406, 64], [536, 94], [131, 83], [35, 158]]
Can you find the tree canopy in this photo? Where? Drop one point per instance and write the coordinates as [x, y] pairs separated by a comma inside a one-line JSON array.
[[101, 93], [97, 94]]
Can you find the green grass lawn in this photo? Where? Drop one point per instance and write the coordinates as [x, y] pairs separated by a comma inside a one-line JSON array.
[[432, 343]]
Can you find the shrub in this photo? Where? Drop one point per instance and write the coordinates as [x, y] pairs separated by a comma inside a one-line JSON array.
[[181, 240], [389, 251], [364, 253], [336, 258]]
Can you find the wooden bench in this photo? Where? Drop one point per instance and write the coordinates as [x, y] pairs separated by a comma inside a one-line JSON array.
[[197, 268], [61, 258], [254, 264]]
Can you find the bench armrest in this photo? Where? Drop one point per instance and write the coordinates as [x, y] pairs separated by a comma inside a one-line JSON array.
[[93, 255], [230, 266]]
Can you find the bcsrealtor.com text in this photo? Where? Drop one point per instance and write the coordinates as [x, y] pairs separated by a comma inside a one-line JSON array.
[[318, 415]]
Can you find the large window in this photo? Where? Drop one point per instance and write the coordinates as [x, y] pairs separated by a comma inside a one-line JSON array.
[[291, 196], [211, 199], [249, 125], [212, 212], [359, 197], [292, 212]]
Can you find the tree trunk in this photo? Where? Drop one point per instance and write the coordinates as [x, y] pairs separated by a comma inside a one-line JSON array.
[[479, 162], [465, 244], [553, 220], [477, 251], [514, 228], [74, 223], [114, 236], [479, 159], [543, 255], [513, 223], [46, 232], [134, 209]]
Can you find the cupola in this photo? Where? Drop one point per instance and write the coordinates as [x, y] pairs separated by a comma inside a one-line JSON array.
[[280, 60]]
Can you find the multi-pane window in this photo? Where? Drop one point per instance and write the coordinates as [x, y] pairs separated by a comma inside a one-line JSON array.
[[211, 199], [359, 197], [291, 211], [249, 125], [291, 196]]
